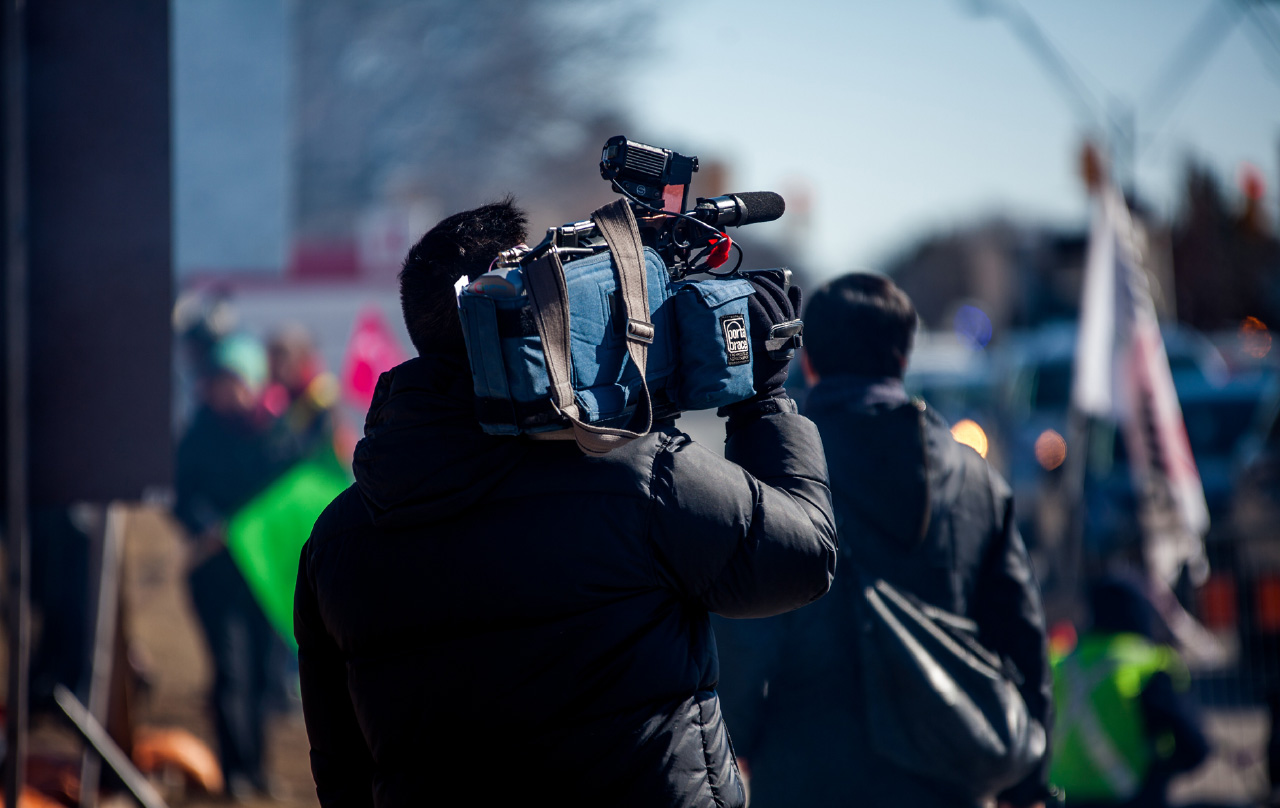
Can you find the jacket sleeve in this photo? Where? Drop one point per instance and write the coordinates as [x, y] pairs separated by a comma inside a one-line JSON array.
[[1012, 624], [340, 759], [753, 535]]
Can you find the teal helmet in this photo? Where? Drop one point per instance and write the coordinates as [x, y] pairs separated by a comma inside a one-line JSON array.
[[244, 357]]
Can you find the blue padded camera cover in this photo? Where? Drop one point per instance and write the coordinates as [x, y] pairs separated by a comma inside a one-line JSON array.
[[715, 342], [700, 357], [509, 369]]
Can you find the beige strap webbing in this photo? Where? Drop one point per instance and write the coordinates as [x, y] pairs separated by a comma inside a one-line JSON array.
[[550, 298]]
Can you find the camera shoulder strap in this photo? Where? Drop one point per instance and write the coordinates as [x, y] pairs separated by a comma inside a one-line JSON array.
[[550, 297]]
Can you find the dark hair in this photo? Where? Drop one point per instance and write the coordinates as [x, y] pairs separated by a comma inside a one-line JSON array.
[[463, 244], [859, 323]]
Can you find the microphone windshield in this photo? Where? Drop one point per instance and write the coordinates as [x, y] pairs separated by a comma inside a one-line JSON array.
[[760, 206]]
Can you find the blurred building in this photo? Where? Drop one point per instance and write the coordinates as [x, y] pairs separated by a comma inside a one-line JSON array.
[[320, 139], [1226, 259], [232, 135], [1018, 274]]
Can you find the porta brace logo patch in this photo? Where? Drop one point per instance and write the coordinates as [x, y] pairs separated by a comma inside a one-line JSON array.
[[736, 344]]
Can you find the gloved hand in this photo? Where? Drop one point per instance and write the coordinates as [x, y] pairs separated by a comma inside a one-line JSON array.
[[771, 347]]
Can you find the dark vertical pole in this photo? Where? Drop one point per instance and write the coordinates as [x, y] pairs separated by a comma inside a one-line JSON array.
[[1076, 563], [15, 341], [98, 245]]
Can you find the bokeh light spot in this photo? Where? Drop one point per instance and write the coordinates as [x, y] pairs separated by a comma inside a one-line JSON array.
[[1252, 184], [1062, 639], [973, 326], [970, 434], [1255, 337], [1051, 449]]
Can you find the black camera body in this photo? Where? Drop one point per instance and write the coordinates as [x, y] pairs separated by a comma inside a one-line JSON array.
[[647, 172], [656, 183], [696, 323]]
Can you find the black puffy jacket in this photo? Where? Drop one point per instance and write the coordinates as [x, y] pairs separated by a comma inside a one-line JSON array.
[[500, 621], [927, 514]]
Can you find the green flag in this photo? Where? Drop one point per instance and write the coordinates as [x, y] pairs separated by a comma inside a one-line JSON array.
[[266, 536]]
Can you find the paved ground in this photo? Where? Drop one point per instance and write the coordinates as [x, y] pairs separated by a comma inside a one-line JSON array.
[[1236, 773], [167, 636]]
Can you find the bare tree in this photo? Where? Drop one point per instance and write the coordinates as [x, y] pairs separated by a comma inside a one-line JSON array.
[[455, 100]]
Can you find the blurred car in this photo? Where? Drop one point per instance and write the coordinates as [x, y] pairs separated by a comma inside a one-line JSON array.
[[1035, 371], [1219, 418], [1249, 577]]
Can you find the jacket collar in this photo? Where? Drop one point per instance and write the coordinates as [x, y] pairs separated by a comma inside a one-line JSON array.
[[424, 456], [852, 391]]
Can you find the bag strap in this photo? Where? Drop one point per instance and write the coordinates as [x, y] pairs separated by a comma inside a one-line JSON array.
[[550, 297]]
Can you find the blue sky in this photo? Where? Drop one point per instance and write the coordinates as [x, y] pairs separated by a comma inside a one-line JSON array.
[[907, 116]]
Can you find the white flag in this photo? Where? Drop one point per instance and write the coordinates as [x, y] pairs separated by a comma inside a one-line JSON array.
[[1122, 375]]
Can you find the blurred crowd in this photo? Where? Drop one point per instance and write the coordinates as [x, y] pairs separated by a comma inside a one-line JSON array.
[[260, 411], [257, 431]]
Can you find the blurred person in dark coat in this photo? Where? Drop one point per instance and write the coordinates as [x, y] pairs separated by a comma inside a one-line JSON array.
[[920, 510], [225, 459], [1126, 725], [491, 620]]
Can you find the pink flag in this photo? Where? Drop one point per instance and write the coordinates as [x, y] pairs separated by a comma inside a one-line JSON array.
[[1122, 375], [373, 349]]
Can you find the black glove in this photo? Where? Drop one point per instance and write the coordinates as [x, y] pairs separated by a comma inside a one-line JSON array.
[[775, 334]]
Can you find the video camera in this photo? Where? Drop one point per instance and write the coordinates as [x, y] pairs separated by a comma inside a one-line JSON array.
[[554, 332]]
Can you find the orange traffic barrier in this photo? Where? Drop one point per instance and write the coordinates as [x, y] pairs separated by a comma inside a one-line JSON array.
[[155, 750]]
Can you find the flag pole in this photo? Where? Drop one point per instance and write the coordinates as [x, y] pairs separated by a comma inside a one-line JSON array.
[[1096, 305], [1075, 566]]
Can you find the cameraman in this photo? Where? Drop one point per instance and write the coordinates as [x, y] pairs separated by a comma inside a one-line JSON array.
[[499, 619]]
